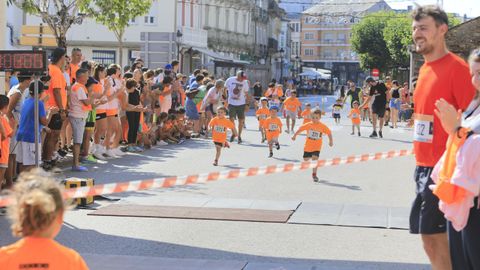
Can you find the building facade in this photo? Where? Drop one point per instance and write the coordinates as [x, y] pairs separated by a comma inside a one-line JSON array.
[[326, 30]]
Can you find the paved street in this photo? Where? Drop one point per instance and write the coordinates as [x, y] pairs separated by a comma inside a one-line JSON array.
[[167, 243]]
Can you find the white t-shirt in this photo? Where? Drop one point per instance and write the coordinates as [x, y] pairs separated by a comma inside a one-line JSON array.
[[76, 104], [237, 91], [18, 107]]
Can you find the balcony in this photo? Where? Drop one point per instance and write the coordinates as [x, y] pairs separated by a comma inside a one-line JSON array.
[[260, 15], [332, 58], [333, 42], [194, 37]]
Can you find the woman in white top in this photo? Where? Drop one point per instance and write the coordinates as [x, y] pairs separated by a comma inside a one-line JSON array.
[[114, 130]]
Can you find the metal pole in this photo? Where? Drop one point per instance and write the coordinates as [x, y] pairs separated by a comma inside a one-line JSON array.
[[411, 48], [281, 70], [36, 123]]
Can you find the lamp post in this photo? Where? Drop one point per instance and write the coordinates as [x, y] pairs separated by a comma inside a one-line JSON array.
[[178, 41], [282, 51], [411, 50]]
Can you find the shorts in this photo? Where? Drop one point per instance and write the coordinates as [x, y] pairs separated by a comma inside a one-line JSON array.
[[55, 122], [100, 116], [378, 110], [272, 138], [26, 153], [218, 144], [425, 216], [90, 121], [3, 166], [78, 127], [291, 114], [311, 154], [209, 108], [112, 112], [394, 104], [236, 111], [13, 144], [336, 115]]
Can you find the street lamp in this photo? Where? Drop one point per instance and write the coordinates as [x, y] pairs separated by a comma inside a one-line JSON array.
[[179, 36], [282, 52], [411, 49]]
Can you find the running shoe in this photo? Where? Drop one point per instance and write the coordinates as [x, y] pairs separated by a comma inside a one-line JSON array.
[[359, 134], [110, 154], [277, 145], [380, 134], [239, 140], [62, 152], [88, 159], [79, 169], [373, 135], [315, 178], [271, 154], [131, 149], [232, 138], [138, 148], [98, 153], [162, 143], [118, 152]]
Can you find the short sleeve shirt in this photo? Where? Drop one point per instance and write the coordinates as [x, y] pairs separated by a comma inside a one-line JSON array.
[[77, 108], [220, 126], [314, 135], [57, 81], [292, 104], [272, 126], [379, 91], [236, 91]]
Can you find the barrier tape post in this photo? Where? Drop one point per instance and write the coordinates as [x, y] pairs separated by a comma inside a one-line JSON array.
[[166, 182]]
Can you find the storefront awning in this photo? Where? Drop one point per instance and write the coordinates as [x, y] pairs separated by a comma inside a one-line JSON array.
[[219, 57]]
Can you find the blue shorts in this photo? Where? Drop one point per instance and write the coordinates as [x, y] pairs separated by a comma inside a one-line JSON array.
[[192, 113], [394, 104]]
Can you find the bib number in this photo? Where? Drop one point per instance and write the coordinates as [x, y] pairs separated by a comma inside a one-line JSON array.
[[220, 129], [314, 135], [273, 127], [423, 129]]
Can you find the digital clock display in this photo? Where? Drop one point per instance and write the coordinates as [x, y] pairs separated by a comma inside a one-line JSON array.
[[33, 61]]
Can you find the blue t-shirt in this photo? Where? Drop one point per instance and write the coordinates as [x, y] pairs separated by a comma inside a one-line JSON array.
[[13, 81], [191, 109], [27, 124]]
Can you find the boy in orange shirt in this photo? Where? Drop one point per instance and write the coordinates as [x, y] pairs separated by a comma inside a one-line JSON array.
[[355, 116], [262, 114], [5, 133], [292, 106], [36, 215], [313, 144], [273, 128], [219, 126], [307, 114]]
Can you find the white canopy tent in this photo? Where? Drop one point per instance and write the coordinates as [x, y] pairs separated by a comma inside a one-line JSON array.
[[315, 74]]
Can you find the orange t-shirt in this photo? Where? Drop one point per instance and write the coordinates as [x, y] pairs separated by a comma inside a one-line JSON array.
[[220, 126], [262, 114], [57, 81], [292, 104], [307, 116], [314, 135], [447, 78], [272, 126], [40, 253], [72, 72], [355, 116], [5, 150]]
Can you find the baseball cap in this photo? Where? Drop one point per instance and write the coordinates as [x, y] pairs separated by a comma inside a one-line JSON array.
[[263, 99], [168, 67], [369, 79], [274, 108]]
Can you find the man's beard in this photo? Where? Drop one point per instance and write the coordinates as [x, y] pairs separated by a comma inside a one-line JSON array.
[[424, 49]]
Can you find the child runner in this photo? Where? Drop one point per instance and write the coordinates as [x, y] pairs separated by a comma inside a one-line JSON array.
[[313, 143], [219, 125], [337, 108], [273, 128], [262, 114], [307, 113], [355, 116], [37, 216], [5, 132], [291, 106]]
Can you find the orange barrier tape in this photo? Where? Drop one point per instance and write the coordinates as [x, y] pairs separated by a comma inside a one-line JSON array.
[[166, 182]]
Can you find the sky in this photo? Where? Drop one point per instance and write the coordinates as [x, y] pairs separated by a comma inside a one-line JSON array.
[[469, 7]]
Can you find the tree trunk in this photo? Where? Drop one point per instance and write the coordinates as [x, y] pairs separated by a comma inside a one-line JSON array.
[[120, 55], [62, 40]]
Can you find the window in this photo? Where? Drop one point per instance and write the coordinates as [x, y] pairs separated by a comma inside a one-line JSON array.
[[295, 48], [217, 17], [104, 57], [328, 54], [133, 21], [227, 19], [309, 36], [207, 15], [150, 20], [235, 21], [245, 24], [342, 38], [328, 37], [309, 52]]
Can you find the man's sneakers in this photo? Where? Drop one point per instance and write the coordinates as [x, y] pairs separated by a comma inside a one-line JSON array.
[[88, 159], [98, 152], [352, 133], [380, 134], [287, 131], [79, 169], [315, 178], [163, 143], [373, 135]]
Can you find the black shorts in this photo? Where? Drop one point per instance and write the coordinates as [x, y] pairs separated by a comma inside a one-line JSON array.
[[218, 144], [425, 216], [311, 154], [100, 116], [379, 110], [336, 115], [236, 111], [55, 122]]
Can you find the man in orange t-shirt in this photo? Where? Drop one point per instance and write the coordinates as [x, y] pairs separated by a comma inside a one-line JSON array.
[[57, 99], [313, 143], [292, 106], [76, 59], [219, 126], [273, 128], [444, 75]]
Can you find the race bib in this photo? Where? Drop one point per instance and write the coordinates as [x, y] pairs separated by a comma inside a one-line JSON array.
[[262, 116], [273, 127], [314, 135], [354, 115], [423, 128], [219, 129]]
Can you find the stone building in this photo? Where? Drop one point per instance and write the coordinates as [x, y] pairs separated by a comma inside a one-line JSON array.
[[465, 37]]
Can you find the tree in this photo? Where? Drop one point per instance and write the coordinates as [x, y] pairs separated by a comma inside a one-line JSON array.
[[368, 41], [398, 35], [116, 14], [60, 15]]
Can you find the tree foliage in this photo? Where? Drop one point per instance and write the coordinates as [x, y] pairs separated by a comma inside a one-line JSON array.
[[398, 35], [116, 14], [60, 15]]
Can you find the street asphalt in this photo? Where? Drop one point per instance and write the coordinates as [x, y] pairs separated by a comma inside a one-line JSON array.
[[189, 242]]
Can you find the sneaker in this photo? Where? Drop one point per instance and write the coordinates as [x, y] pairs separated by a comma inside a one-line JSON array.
[[89, 159], [277, 145], [359, 134], [386, 124], [373, 135], [271, 154], [162, 143], [181, 141], [98, 153], [139, 148], [131, 149], [62, 152], [263, 140], [111, 154], [239, 140], [79, 169], [48, 165], [315, 178], [352, 133], [232, 138], [118, 152], [380, 134], [287, 131]]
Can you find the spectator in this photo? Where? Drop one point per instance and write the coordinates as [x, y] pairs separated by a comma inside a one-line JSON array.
[[5, 133], [237, 98]]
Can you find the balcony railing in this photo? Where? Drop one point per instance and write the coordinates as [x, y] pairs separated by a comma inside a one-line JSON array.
[[338, 58], [194, 37]]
